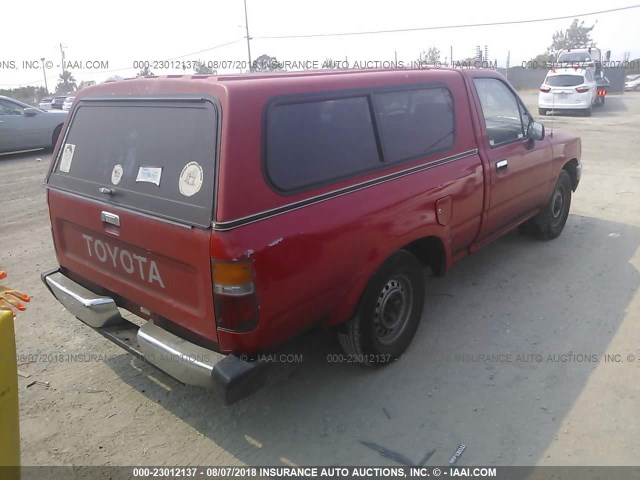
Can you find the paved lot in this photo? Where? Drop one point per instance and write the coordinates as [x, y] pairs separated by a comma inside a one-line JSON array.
[[570, 301]]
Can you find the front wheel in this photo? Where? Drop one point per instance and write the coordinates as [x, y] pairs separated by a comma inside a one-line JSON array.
[[549, 223], [388, 314], [542, 111]]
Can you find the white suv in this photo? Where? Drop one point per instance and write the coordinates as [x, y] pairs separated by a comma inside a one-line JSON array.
[[568, 89]]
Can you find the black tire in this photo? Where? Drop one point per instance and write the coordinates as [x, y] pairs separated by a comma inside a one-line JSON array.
[[637, 89], [542, 111], [549, 224], [54, 137], [388, 314], [600, 101], [588, 111]]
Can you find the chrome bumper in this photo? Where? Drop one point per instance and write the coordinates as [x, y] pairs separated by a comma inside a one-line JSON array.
[[187, 362]]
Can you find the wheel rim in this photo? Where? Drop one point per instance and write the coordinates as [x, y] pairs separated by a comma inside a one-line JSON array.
[[393, 309], [557, 204]]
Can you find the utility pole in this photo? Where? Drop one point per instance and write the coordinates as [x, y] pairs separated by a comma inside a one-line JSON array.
[[62, 53], [246, 24], [44, 72]]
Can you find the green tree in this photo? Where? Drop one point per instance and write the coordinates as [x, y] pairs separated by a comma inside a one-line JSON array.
[[66, 82], [30, 94], [203, 69], [431, 56], [576, 36], [145, 72], [86, 83], [265, 63]]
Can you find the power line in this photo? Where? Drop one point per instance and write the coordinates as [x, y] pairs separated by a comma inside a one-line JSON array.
[[445, 27], [97, 72]]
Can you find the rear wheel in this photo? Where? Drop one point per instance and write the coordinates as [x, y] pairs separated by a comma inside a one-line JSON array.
[[388, 314], [599, 101], [542, 111], [588, 111], [550, 222]]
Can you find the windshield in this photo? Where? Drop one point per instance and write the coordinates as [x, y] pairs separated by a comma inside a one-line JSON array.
[[155, 157], [574, 57]]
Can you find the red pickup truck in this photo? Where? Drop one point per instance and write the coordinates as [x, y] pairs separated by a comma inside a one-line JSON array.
[[232, 213]]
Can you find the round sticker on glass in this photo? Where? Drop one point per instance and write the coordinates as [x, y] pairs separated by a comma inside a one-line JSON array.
[[116, 174], [191, 179]]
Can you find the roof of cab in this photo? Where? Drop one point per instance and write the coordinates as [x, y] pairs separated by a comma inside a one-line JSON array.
[[312, 79]]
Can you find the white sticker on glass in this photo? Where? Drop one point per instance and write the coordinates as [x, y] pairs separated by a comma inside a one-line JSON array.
[[116, 174], [191, 179], [67, 157], [149, 175]]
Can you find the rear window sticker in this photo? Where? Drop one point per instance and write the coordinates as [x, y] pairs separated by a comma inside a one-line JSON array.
[[116, 174], [67, 157], [191, 179], [149, 175]]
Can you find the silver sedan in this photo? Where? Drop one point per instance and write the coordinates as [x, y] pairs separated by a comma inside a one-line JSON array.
[[23, 127]]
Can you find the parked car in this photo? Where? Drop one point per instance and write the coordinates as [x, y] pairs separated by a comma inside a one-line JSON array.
[[568, 89], [57, 102], [45, 103], [632, 83], [23, 127], [331, 194], [66, 106]]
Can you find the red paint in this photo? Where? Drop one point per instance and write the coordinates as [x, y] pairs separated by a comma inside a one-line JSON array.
[[310, 264]]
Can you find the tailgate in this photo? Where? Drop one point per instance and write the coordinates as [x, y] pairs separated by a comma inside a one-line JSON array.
[[131, 198]]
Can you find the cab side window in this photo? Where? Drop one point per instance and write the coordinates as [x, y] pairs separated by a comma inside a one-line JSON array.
[[415, 123], [503, 117]]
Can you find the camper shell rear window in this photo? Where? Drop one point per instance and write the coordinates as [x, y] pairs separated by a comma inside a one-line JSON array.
[[153, 156]]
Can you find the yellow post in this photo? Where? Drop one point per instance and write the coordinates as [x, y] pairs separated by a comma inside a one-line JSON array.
[[9, 417], [10, 300]]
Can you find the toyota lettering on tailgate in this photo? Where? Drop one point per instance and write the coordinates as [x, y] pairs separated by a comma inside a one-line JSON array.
[[122, 259]]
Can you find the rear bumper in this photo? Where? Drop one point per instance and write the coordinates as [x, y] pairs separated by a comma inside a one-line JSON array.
[[571, 102], [191, 364]]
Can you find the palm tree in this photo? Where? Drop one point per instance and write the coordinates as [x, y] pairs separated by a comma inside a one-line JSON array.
[[66, 82]]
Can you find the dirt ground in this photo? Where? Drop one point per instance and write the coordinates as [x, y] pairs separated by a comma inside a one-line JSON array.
[[543, 314]]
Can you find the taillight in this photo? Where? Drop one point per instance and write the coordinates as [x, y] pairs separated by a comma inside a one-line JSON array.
[[582, 89], [545, 89], [234, 295]]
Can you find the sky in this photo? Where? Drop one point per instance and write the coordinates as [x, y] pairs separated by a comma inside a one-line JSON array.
[[117, 37]]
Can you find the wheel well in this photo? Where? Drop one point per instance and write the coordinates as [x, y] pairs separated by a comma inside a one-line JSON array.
[[570, 167], [56, 134], [430, 252]]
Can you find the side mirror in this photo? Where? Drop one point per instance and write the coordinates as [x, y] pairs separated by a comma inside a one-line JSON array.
[[30, 111], [535, 131]]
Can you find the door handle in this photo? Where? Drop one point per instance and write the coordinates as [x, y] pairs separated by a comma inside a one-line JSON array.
[[501, 165], [111, 218]]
